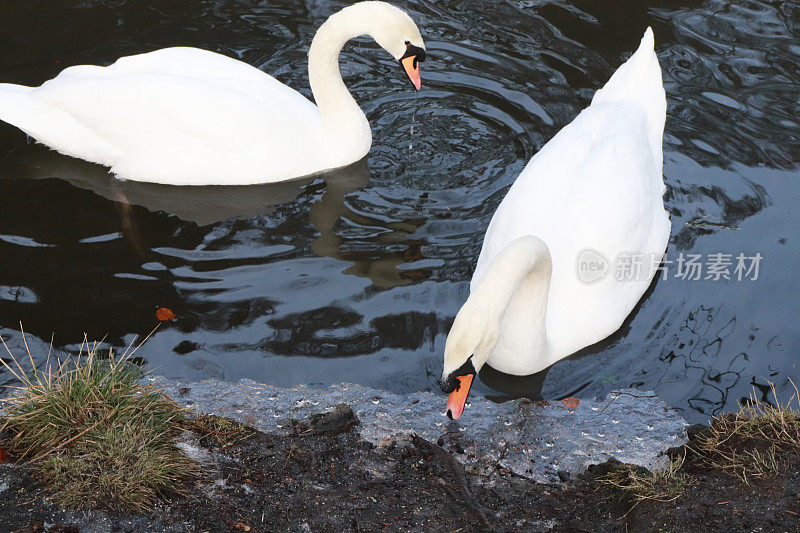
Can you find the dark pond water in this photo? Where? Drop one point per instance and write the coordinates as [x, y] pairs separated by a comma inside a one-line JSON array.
[[357, 277]]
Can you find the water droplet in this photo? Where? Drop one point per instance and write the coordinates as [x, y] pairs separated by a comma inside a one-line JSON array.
[[549, 444], [413, 121], [601, 434]]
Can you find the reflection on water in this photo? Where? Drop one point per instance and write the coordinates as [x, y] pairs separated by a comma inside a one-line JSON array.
[[201, 205], [357, 275]]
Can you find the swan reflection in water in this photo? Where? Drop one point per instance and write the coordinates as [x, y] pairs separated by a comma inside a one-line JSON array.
[[208, 205]]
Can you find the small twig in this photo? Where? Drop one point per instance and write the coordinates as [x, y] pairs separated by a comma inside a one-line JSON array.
[[620, 393], [458, 473]]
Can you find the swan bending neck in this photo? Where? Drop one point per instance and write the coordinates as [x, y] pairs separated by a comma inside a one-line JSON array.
[[339, 110], [514, 293]]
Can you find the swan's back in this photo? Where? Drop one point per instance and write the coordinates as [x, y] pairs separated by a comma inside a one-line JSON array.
[[177, 115], [596, 185]]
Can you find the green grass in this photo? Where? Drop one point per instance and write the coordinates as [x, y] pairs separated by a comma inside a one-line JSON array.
[[95, 436]]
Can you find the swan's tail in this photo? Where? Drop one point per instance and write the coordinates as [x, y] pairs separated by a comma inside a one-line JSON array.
[[50, 125], [639, 79], [15, 107]]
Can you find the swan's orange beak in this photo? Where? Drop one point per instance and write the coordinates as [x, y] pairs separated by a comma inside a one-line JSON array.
[[458, 398], [411, 66]]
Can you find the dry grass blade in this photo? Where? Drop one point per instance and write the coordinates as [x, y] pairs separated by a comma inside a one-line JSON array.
[[751, 442], [663, 485], [222, 432]]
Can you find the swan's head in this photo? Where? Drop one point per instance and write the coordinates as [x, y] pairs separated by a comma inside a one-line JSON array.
[[469, 343], [392, 29]]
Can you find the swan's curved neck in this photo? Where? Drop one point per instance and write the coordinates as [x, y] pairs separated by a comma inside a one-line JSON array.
[[513, 293], [341, 116]]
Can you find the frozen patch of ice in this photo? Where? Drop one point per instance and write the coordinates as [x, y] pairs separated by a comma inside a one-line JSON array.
[[593, 432]]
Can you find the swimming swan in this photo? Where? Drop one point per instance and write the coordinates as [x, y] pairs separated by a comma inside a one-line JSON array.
[[185, 116], [545, 284]]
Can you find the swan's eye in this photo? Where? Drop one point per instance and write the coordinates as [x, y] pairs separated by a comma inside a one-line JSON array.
[[451, 382], [412, 50]]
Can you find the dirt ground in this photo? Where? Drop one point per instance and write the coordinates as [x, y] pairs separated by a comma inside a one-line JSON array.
[[324, 477]]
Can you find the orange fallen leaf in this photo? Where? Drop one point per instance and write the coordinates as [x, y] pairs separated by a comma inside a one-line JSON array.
[[164, 314], [570, 403], [3, 456], [241, 527]]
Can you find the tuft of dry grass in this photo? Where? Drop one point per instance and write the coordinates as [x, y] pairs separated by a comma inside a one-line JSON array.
[[752, 442], [663, 485], [94, 435], [220, 431]]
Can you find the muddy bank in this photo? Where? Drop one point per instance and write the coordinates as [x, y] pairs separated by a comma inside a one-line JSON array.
[[319, 473]]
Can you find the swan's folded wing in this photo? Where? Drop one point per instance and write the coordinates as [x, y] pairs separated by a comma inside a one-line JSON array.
[[184, 115], [216, 69]]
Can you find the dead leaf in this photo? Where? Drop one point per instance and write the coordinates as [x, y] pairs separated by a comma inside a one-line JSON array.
[[570, 403], [3, 456], [164, 314], [241, 527]]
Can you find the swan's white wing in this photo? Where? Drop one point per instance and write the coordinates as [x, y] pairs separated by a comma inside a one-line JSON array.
[[180, 116], [596, 185]]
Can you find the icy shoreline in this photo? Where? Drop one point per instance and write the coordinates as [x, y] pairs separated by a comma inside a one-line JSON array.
[[536, 440]]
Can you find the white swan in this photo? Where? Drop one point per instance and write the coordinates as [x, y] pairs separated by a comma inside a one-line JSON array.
[[593, 194], [185, 116]]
